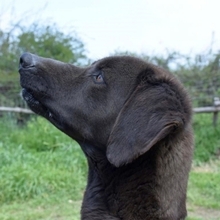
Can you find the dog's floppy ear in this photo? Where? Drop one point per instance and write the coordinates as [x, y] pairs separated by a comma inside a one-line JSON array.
[[153, 111]]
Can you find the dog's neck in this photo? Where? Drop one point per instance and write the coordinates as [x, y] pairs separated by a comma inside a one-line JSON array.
[[97, 160]]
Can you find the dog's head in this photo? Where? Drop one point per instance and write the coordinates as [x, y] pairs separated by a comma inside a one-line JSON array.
[[122, 105]]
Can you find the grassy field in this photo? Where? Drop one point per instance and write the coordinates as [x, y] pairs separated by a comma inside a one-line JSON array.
[[43, 172]]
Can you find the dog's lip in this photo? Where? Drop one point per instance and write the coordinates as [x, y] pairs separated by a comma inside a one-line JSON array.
[[41, 109], [27, 70], [21, 68], [29, 97], [34, 104]]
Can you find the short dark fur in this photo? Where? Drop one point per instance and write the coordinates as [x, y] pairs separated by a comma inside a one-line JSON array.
[[132, 121]]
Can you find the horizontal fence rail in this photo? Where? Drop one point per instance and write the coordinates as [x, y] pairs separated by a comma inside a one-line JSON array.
[[208, 109], [16, 109]]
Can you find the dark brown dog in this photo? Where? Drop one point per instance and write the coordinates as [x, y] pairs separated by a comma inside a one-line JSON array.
[[133, 122]]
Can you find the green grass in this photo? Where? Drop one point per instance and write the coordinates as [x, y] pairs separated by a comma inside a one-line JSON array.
[[204, 191], [43, 172], [207, 138], [29, 168], [39, 209]]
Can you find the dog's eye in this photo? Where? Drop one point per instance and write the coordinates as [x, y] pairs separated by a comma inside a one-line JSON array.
[[98, 78]]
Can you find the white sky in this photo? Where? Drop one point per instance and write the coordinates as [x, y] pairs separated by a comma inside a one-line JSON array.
[[142, 26]]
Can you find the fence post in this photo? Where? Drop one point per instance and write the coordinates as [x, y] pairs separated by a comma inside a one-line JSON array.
[[215, 114]]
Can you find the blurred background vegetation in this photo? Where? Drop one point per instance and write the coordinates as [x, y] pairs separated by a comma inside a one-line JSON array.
[[200, 73], [43, 172]]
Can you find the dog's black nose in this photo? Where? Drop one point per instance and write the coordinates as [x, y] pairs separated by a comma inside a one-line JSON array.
[[26, 60]]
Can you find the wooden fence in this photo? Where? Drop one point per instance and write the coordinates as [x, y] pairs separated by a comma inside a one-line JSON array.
[[211, 109], [215, 109], [16, 109]]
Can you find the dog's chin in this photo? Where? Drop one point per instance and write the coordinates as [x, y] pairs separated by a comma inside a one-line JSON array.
[[34, 104]]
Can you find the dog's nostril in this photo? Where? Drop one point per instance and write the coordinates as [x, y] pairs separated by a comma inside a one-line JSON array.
[[26, 60]]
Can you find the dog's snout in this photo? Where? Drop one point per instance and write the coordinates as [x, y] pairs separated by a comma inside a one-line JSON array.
[[26, 60]]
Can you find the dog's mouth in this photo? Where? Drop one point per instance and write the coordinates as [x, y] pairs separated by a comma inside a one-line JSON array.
[[40, 108], [35, 105]]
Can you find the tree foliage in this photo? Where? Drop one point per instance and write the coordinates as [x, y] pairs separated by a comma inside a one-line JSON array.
[[43, 40], [47, 41], [200, 73]]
